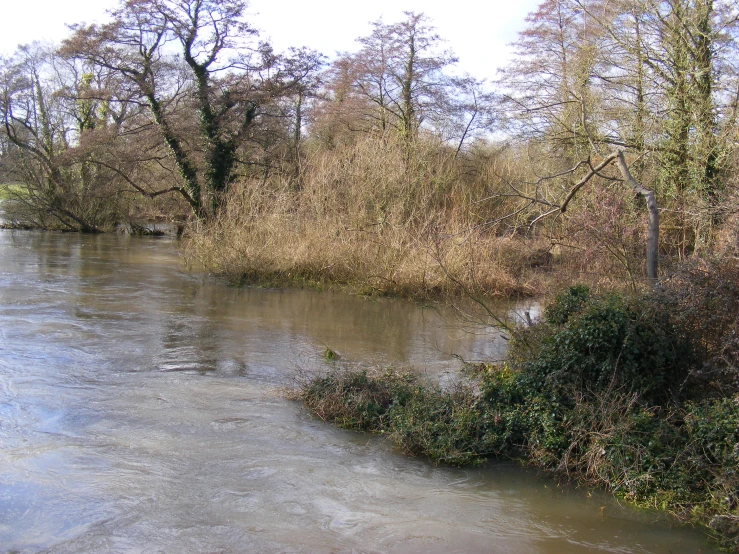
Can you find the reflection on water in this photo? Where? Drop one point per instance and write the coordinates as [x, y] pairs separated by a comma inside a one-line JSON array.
[[139, 413]]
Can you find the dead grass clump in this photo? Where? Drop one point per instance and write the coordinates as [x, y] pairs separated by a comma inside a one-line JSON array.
[[385, 218], [374, 217], [388, 260]]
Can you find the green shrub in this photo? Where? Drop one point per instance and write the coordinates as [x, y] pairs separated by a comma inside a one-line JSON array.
[[593, 343], [709, 460], [566, 304], [448, 426], [355, 400], [713, 428], [595, 391]]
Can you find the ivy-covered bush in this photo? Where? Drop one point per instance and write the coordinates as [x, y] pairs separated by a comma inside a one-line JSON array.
[[356, 400], [603, 388], [588, 344], [448, 426]]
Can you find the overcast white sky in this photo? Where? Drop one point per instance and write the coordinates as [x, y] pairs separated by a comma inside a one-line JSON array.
[[477, 31]]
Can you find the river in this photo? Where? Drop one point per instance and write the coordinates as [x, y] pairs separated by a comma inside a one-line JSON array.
[[141, 411]]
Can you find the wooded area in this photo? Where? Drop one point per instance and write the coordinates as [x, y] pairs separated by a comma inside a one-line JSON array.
[[385, 159]]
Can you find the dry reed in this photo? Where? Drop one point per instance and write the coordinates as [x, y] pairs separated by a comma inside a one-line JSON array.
[[376, 217]]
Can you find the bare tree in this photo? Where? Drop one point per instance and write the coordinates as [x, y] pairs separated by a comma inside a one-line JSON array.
[[230, 81], [398, 78], [47, 113], [549, 89], [554, 205], [650, 77]]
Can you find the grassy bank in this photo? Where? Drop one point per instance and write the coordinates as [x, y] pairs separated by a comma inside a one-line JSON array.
[[323, 253], [636, 394]]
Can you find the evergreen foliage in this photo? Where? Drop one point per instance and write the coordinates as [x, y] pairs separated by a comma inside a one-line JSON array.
[[607, 388]]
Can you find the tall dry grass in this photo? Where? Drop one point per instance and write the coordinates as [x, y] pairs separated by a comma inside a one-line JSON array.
[[378, 217], [384, 217]]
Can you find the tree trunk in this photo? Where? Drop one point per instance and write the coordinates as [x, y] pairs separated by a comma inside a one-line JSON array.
[[653, 224]]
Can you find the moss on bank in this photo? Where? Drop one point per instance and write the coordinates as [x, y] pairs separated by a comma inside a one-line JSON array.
[[8, 191], [619, 392]]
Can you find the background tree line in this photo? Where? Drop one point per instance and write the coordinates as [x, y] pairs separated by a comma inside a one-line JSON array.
[[176, 109]]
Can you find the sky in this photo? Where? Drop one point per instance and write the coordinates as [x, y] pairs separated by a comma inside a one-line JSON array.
[[479, 32]]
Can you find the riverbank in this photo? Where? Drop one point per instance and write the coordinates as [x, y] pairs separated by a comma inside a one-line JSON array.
[[153, 378], [389, 262], [637, 395], [367, 218]]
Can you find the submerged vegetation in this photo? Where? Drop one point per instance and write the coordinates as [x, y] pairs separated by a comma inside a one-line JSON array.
[[621, 391]]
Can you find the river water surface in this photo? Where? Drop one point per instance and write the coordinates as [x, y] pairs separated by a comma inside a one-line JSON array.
[[140, 411]]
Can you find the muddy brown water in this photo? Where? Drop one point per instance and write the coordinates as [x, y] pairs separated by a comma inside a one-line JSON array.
[[140, 412]]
